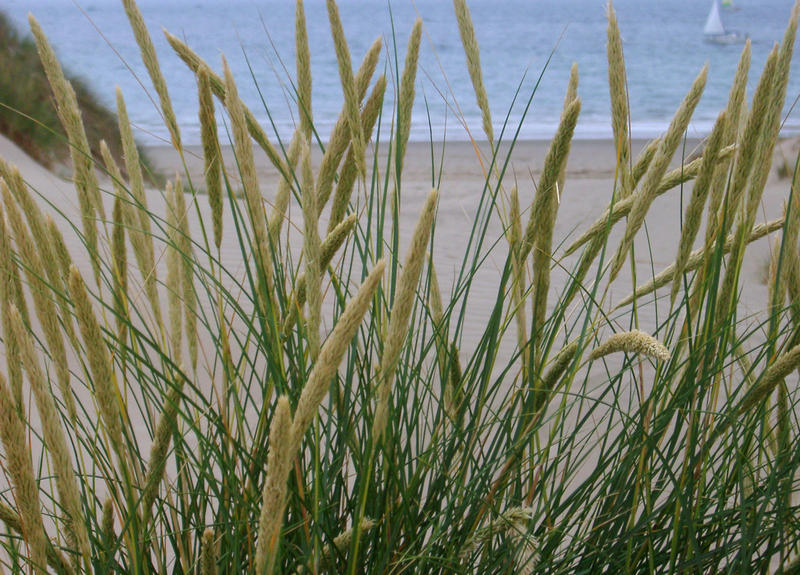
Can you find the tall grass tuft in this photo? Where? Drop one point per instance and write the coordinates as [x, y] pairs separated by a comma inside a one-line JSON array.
[[348, 400]]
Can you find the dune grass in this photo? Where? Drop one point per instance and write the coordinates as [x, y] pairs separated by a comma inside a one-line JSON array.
[[318, 407]]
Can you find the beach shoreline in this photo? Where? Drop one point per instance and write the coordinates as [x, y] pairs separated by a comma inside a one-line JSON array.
[[588, 157]]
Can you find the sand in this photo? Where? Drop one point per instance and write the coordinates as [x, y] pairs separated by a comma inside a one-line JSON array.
[[459, 169], [587, 191]]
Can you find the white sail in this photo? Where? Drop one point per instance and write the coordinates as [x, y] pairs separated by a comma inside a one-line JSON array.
[[714, 25]]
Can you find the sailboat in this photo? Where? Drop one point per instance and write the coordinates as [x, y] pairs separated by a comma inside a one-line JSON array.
[[715, 32]]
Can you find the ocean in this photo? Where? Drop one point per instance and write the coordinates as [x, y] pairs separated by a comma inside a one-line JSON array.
[[527, 48]]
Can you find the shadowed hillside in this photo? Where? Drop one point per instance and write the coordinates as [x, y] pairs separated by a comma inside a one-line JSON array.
[[27, 110]]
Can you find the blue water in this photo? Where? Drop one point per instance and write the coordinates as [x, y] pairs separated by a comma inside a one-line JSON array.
[[663, 45]]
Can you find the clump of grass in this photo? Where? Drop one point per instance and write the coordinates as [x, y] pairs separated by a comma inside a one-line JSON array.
[[321, 407]]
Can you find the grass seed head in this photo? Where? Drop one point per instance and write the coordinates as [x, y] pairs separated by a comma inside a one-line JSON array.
[[618, 88], [281, 450], [150, 60], [208, 553], [472, 52], [401, 309], [103, 381], [20, 470], [330, 356], [211, 151], [351, 98], [407, 92], [303, 72], [634, 341]]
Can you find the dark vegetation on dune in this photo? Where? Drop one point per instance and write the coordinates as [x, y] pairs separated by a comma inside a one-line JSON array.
[[28, 113]]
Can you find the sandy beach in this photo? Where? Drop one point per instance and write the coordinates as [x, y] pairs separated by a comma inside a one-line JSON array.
[[459, 169]]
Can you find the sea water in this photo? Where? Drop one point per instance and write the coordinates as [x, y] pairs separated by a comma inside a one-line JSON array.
[[527, 48]]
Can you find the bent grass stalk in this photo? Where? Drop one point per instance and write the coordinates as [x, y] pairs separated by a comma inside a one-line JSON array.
[[43, 303], [70, 116]]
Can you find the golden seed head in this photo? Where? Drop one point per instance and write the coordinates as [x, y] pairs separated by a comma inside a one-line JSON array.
[[303, 72], [407, 91], [281, 450], [351, 98], [634, 341], [401, 309], [331, 354], [472, 52], [211, 151], [150, 60]]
